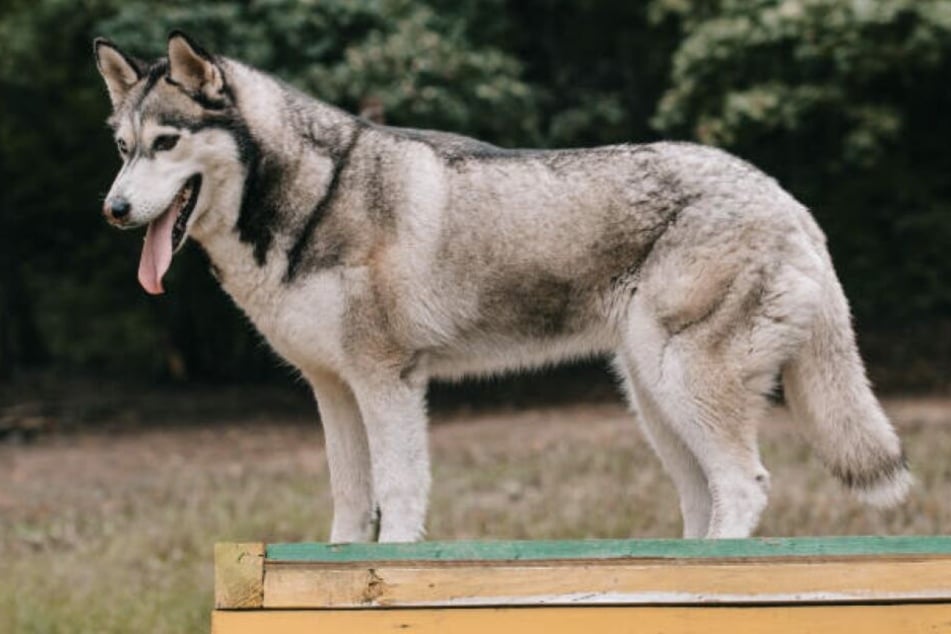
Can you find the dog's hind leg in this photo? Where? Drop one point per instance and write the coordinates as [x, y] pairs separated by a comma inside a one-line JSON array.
[[348, 457], [701, 397], [678, 460]]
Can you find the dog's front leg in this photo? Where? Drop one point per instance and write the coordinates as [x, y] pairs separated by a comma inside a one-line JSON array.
[[348, 457], [394, 414]]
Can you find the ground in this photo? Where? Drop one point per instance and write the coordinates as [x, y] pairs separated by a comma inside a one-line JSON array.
[[110, 529]]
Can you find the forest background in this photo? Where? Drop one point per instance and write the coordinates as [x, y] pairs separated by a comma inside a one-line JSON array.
[[845, 102]]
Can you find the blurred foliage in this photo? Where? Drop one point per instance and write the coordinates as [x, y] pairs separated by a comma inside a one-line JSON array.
[[60, 296], [841, 100], [417, 61]]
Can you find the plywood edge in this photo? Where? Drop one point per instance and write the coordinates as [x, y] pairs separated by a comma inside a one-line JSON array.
[[302, 585], [239, 575]]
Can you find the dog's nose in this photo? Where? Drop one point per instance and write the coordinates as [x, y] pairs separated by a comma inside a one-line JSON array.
[[117, 208]]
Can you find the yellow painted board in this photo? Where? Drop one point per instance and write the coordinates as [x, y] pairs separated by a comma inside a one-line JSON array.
[[572, 583], [874, 619]]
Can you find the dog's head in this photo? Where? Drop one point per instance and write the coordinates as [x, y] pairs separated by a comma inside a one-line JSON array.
[[174, 122]]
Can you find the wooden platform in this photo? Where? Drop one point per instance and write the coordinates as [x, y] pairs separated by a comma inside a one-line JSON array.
[[869, 584]]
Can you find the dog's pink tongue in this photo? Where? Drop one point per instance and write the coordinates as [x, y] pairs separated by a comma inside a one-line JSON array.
[[156, 253]]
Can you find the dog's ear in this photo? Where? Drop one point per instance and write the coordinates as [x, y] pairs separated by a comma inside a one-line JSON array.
[[120, 71], [191, 68]]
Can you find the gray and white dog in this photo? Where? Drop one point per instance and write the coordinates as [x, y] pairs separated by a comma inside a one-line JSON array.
[[373, 258]]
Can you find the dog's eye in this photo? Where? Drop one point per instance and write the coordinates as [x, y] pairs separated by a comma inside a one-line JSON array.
[[164, 142], [123, 146]]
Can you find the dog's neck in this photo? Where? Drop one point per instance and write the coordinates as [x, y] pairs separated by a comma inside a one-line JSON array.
[[259, 236]]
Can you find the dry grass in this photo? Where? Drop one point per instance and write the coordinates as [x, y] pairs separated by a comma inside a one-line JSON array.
[[113, 533]]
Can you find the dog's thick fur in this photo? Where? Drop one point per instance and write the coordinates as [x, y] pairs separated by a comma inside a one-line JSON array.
[[373, 258]]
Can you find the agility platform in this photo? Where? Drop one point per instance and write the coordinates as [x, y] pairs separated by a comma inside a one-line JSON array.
[[873, 585]]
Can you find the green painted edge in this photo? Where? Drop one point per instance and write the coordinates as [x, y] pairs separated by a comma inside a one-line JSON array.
[[610, 549]]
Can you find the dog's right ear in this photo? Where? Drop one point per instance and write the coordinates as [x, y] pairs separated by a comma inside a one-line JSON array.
[[119, 70]]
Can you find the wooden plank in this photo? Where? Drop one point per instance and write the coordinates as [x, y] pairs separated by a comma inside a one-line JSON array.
[[239, 575], [302, 585], [612, 549], [876, 619]]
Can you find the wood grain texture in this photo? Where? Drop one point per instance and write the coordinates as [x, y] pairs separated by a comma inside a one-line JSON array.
[[239, 575], [876, 619], [731, 582]]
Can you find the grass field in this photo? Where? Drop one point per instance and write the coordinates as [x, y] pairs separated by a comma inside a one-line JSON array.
[[113, 532]]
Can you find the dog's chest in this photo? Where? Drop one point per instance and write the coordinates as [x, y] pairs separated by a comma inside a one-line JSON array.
[[300, 320]]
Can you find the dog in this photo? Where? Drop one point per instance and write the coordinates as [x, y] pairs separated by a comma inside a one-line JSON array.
[[373, 258]]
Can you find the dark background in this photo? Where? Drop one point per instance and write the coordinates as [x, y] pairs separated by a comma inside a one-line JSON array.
[[846, 103]]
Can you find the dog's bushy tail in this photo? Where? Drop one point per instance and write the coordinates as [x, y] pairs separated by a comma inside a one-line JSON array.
[[827, 390]]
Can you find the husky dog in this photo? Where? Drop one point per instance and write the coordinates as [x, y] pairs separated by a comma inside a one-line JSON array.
[[373, 258]]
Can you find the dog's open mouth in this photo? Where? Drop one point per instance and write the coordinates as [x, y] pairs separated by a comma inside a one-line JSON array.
[[183, 206], [165, 234]]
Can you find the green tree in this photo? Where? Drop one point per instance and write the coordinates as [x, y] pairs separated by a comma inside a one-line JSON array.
[[842, 100]]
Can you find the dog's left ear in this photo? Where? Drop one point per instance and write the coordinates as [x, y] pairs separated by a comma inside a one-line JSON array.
[[194, 70]]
